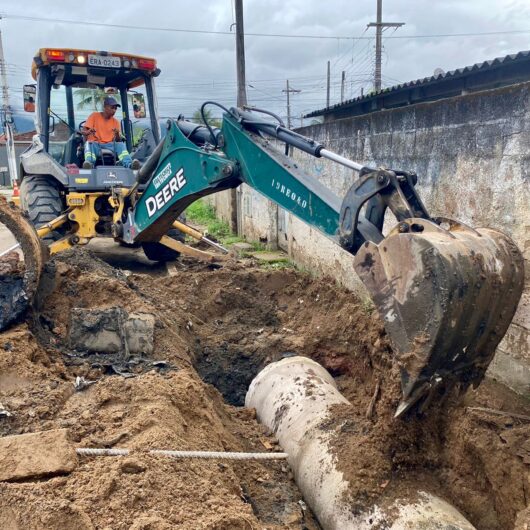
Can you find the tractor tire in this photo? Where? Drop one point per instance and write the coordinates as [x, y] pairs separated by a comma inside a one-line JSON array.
[[159, 252], [40, 200]]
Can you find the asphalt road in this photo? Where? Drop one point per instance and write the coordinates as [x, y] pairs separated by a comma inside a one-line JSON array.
[[7, 239]]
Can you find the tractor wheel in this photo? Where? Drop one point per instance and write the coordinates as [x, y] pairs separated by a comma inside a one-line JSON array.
[[40, 199], [159, 252]]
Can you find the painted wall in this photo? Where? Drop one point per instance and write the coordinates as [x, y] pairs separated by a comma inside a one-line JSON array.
[[472, 157]]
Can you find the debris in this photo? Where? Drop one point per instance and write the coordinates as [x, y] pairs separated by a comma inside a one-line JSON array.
[[4, 412], [36, 455], [111, 330], [132, 466], [123, 372], [500, 413], [160, 364], [81, 383], [266, 443]]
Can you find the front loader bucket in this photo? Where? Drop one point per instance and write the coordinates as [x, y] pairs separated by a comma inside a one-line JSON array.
[[447, 294], [20, 268]]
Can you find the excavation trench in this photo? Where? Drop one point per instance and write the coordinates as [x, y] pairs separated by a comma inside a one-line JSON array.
[[214, 331]]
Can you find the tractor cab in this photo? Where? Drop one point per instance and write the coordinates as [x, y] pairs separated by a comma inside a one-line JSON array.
[[70, 85]]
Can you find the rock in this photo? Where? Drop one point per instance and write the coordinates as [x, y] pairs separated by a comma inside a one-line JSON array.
[[107, 330], [36, 455], [139, 329], [132, 465], [239, 249]]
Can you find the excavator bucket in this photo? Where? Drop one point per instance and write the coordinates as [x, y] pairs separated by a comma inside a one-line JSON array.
[[446, 293], [22, 257]]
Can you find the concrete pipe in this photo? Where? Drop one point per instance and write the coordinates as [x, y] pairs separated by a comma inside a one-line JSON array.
[[292, 397]]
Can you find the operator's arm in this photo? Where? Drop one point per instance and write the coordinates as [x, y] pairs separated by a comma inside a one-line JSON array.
[[90, 127], [118, 136]]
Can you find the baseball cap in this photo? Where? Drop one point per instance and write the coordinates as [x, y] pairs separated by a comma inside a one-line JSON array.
[[111, 101]]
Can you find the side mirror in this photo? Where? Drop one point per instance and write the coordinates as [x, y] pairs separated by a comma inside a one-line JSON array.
[[29, 92], [138, 105]]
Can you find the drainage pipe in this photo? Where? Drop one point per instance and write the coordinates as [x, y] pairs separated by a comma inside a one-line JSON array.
[[292, 397]]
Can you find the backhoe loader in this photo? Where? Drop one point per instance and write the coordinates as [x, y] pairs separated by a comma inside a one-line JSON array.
[[446, 292]]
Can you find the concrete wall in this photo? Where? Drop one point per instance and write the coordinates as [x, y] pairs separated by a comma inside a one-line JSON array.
[[20, 147], [472, 156]]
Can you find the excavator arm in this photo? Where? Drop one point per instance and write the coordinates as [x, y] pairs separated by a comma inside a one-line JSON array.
[[446, 292]]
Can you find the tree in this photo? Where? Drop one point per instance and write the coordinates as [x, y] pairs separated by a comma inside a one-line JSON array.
[[213, 122], [91, 98]]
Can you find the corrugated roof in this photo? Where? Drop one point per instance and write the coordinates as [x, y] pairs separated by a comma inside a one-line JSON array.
[[478, 68]]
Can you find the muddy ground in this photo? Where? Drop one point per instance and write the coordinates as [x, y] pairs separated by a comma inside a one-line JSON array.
[[216, 327]]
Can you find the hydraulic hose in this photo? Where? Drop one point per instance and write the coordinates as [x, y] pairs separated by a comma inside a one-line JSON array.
[[145, 172]]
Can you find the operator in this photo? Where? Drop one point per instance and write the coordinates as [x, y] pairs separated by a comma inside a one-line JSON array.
[[102, 129]]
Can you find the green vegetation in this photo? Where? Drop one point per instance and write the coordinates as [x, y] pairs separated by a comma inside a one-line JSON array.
[[91, 98], [213, 122], [277, 264], [203, 214]]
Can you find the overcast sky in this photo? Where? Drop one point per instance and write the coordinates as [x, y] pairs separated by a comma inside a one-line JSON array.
[[196, 67]]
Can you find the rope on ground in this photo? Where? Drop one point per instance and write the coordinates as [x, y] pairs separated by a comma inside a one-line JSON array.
[[87, 451]]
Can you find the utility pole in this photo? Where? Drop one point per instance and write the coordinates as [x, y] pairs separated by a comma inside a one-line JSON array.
[[328, 84], [342, 86], [236, 216], [7, 119], [240, 55], [288, 91], [379, 25]]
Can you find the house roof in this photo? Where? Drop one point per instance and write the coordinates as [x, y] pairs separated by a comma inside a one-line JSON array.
[[18, 137], [495, 73]]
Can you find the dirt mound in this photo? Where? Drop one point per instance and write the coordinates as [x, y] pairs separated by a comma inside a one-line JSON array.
[[221, 326]]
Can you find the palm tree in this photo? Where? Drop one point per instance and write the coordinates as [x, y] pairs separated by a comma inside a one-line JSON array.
[[91, 98], [197, 118]]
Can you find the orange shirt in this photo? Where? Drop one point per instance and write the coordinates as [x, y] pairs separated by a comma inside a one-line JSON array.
[[105, 128]]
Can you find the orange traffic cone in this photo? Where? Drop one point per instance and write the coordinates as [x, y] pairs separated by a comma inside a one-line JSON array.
[[15, 198]]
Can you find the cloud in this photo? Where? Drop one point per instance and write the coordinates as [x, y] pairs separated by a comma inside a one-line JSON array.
[[196, 67]]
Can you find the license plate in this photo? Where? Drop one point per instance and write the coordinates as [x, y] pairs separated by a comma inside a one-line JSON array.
[[104, 60]]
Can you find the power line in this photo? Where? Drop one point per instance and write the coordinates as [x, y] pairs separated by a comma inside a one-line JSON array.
[[379, 26], [275, 35]]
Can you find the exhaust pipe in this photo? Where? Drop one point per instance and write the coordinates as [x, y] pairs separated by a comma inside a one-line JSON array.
[[279, 393]]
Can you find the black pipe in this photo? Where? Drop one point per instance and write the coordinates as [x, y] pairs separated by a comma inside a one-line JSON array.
[[70, 107], [145, 172]]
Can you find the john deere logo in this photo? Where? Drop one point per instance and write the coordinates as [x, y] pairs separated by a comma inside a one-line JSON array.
[[111, 175], [162, 176]]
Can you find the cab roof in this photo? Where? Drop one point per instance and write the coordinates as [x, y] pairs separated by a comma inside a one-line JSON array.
[[90, 67]]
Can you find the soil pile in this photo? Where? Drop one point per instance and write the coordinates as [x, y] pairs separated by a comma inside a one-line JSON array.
[[221, 326]]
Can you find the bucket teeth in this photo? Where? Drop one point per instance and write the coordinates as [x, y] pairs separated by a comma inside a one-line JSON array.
[[446, 294]]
